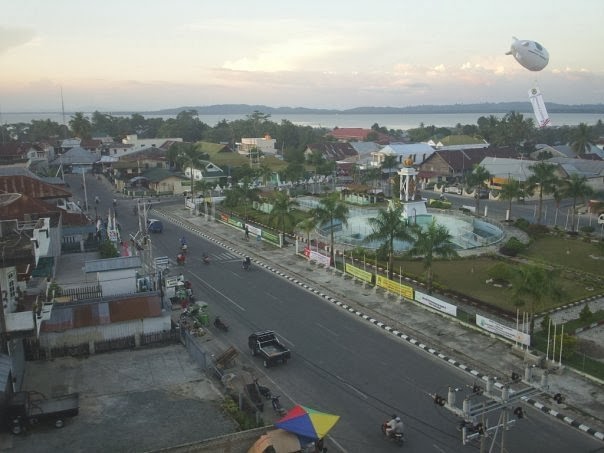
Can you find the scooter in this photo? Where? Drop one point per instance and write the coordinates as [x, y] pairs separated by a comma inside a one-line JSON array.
[[247, 264], [220, 324], [180, 259], [264, 391], [277, 405], [206, 259], [397, 438]]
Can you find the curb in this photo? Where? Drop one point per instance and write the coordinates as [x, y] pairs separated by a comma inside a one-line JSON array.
[[430, 350]]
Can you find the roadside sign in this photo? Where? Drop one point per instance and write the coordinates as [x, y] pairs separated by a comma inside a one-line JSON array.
[[161, 261]]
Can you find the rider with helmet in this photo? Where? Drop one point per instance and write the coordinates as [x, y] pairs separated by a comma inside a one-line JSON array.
[[394, 426]]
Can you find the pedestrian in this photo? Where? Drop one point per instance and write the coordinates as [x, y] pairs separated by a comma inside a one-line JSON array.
[[96, 199], [247, 233]]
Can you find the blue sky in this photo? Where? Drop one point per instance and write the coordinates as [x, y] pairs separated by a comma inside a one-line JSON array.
[[116, 55]]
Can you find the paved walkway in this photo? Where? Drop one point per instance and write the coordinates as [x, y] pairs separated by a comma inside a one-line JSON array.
[[459, 345]]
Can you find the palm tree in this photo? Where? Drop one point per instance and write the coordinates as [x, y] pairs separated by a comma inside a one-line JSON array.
[[308, 225], [582, 139], [532, 285], [330, 211], [476, 180], [510, 190], [544, 178], [390, 161], [435, 241], [388, 226], [80, 125], [576, 187], [189, 157], [281, 214]]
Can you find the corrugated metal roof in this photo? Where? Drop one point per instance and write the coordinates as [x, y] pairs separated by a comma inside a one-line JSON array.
[[113, 264]]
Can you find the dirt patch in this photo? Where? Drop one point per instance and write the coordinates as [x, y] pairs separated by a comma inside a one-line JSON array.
[[590, 348]]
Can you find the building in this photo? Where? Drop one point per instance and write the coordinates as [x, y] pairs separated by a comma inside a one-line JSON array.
[[332, 151], [266, 145]]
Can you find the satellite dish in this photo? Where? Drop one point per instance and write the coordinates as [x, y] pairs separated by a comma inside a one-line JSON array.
[[530, 54]]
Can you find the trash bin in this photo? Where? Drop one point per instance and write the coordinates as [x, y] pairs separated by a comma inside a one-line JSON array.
[[204, 319]]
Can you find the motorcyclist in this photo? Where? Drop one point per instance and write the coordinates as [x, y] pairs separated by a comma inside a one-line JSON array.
[[394, 426], [247, 262]]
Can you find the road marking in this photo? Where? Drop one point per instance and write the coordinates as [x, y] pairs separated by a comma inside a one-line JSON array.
[[217, 291], [328, 330]]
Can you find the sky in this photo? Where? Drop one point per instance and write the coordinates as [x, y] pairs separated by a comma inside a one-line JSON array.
[[144, 55]]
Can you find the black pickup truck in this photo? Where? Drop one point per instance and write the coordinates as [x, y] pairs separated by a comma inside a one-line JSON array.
[[266, 344], [30, 408]]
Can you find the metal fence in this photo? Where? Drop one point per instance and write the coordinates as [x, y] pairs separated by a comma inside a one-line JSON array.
[[195, 350]]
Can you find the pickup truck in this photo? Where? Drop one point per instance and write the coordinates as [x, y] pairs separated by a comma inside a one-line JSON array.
[[266, 344], [30, 408]]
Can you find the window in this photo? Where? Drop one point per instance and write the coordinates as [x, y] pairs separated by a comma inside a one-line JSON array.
[[11, 284]]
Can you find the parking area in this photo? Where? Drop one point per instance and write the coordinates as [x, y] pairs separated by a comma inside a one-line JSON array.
[[130, 401]]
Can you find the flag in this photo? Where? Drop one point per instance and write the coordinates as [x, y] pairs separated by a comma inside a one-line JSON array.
[[539, 107]]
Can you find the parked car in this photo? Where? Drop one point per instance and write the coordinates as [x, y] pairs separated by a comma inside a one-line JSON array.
[[155, 226], [454, 189]]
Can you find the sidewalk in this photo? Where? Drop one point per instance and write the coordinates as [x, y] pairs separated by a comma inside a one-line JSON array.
[[461, 346]]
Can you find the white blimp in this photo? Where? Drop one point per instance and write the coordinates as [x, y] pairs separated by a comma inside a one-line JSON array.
[[530, 54]]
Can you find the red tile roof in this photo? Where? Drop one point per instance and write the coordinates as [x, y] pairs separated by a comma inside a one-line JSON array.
[[31, 187]]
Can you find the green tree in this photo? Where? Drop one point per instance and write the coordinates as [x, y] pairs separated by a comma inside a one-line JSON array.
[[390, 161], [329, 211], [576, 187], [80, 126], [188, 156], [532, 286], [388, 226], [544, 180], [435, 241], [511, 190], [477, 180], [307, 226], [281, 214], [582, 139]]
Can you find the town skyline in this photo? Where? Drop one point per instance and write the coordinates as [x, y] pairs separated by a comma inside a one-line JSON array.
[[146, 56]]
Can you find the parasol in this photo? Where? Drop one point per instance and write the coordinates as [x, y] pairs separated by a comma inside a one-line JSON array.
[[307, 422]]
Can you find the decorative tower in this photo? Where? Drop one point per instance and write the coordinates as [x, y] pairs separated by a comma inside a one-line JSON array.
[[413, 205]]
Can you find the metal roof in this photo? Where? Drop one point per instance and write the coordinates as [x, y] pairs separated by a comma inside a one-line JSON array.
[[112, 264]]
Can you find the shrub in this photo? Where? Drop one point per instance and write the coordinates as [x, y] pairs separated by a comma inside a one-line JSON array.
[[587, 229], [585, 315], [512, 247], [535, 231], [500, 271], [108, 250], [545, 322], [522, 224]]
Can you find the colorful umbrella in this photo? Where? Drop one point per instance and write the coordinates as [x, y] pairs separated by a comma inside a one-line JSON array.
[[307, 422]]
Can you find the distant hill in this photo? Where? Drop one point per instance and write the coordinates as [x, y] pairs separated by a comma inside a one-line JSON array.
[[498, 107]]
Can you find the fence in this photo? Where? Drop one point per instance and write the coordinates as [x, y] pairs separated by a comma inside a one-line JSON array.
[[82, 293], [195, 350]]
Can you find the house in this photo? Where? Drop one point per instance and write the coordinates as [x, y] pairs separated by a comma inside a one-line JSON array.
[[592, 170], [12, 152], [115, 149], [503, 169], [207, 173], [115, 275], [452, 165], [333, 151], [164, 181], [266, 145], [93, 145], [454, 142], [77, 160], [358, 134], [417, 152], [138, 144]]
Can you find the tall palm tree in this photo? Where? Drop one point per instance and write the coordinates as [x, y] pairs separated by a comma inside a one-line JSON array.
[[576, 187], [281, 214], [80, 125], [329, 211], [511, 190], [545, 180], [476, 180], [435, 241], [308, 225], [189, 157], [532, 285], [390, 161], [388, 226], [582, 139]]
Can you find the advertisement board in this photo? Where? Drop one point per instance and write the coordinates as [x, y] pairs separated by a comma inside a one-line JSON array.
[[394, 287], [435, 303], [502, 331]]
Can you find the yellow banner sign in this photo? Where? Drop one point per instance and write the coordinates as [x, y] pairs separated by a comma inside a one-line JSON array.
[[394, 287], [359, 273]]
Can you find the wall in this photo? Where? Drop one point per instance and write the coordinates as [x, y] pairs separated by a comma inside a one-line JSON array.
[[122, 281]]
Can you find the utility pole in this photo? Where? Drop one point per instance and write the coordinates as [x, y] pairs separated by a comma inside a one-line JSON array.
[[481, 404]]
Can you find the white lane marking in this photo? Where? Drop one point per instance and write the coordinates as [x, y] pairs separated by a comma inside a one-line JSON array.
[[217, 291], [326, 329]]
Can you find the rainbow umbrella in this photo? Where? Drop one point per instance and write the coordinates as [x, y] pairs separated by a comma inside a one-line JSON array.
[[307, 423]]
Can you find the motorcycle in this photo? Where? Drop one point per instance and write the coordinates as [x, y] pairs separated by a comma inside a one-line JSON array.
[[220, 324], [183, 249], [246, 264], [264, 391], [277, 405], [397, 438], [180, 259], [206, 259]]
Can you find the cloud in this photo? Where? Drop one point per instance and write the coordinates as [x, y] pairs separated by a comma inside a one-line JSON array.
[[11, 37]]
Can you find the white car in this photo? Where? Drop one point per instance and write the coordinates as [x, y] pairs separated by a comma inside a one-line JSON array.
[[454, 189]]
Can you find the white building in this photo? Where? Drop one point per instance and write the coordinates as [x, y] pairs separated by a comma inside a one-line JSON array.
[[140, 143], [266, 145]]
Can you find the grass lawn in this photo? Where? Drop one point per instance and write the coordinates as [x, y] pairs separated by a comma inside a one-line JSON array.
[[469, 276], [569, 252]]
